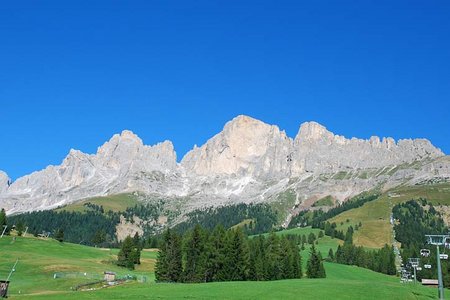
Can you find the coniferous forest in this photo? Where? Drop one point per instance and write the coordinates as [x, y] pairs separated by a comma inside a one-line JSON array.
[[201, 255], [413, 220]]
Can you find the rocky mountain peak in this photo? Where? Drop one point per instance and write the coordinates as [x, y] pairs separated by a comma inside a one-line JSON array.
[[246, 146], [313, 131], [120, 143]]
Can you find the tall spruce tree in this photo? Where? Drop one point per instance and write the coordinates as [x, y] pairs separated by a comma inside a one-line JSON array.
[[2, 219], [297, 261], [59, 235], [273, 271], [315, 268], [286, 259], [126, 255], [217, 257], [238, 258], [169, 265], [195, 259]]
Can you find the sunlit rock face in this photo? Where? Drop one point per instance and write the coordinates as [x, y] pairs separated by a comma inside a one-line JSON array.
[[245, 147], [318, 150], [248, 161], [4, 182]]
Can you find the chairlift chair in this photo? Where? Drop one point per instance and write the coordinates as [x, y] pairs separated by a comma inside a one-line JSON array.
[[425, 252], [447, 243]]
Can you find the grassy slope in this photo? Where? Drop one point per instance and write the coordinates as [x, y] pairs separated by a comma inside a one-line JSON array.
[[343, 282], [374, 216], [116, 203], [39, 259], [324, 243]]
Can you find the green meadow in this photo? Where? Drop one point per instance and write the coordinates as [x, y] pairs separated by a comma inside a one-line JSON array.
[[40, 259]]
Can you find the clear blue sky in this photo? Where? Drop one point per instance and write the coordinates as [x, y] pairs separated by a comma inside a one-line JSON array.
[[72, 75]]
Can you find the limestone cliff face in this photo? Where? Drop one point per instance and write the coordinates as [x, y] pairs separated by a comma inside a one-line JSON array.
[[4, 182], [116, 166], [320, 151], [245, 147], [252, 148], [248, 161]]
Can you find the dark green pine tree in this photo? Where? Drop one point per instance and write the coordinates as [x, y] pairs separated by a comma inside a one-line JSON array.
[[2, 219], [99, 237], [238, 257], [311, 238], [274, 268], [162, 263], [195, 266], [168, 266], [331, 254], [315, 268], [126, 255], [297, 261], [59, 235], [137, 247], [217, 257], [20, 227], [258, 265], [286, 259]]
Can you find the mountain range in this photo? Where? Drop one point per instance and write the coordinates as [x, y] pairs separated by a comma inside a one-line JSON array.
[[248, 161]]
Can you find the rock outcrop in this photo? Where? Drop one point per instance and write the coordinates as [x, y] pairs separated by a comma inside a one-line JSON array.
[[4, 182]]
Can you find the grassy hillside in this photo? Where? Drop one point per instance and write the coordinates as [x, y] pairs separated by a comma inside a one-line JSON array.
[[115, 203], [344, 282], [323, 246], [375, 215], [40, 259]]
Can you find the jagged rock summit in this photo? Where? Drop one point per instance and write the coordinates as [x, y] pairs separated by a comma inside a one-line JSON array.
[[248, 161], [247, 146]]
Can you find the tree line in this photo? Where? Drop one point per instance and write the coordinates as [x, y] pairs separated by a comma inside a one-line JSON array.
[[314, 218], [261, 218]]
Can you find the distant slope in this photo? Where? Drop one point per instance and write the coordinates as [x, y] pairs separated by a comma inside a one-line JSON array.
[[376, 229], [114, 203]]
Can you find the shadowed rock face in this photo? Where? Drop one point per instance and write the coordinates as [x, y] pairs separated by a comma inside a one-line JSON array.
[[248, 161]]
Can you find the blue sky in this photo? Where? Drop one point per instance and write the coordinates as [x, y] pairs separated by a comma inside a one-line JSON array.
[[73, 74]]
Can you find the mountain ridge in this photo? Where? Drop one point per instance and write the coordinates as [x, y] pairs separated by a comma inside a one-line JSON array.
[[239, 163]]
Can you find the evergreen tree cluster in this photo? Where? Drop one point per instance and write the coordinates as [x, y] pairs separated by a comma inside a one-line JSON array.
[[413, 220], [130, 252], [315, 268], [89, 228], [201, 255], [93, 227], [316, 217], [262, 217], [382, 260]]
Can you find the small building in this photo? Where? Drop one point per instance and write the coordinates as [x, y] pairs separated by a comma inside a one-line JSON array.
[[109, 276], [430, 282]]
